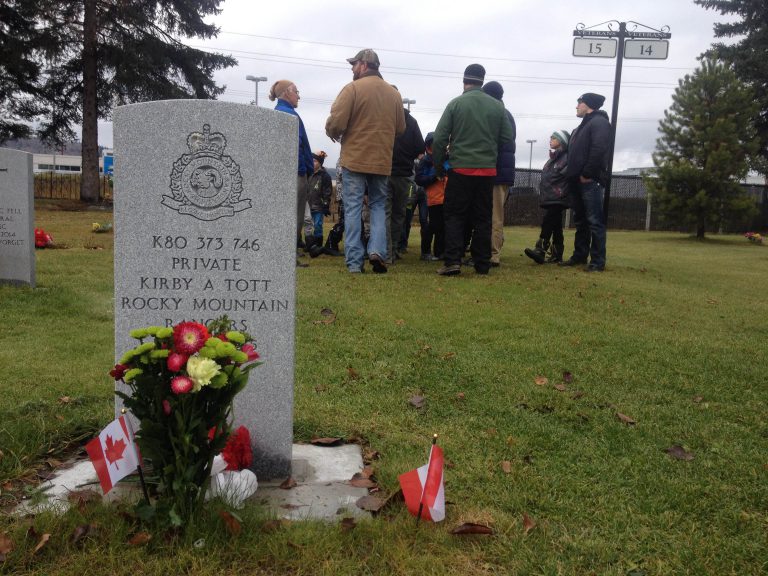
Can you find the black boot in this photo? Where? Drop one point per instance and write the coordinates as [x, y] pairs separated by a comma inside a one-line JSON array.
[[317, 247], [539, 252], [555, 254]]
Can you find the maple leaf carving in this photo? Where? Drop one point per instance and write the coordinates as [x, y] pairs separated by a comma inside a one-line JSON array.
[[114, 451]]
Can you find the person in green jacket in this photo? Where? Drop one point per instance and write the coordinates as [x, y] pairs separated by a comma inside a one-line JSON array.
[[474, 126]]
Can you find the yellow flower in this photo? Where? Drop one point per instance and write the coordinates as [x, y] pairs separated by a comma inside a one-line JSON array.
[[95, 226], [201, 370]]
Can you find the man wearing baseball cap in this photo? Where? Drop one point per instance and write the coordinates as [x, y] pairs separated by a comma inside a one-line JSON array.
[[587, 172], [366, 116]]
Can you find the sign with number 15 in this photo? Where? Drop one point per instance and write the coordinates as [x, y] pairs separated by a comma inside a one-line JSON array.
[[595, 47]]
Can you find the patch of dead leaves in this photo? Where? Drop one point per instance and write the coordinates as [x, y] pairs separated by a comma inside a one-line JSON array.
[[328, 441], [347, 523], [140, 539], [231, 522], [626, 419], [506, 467], [528, 523], [329, 317], [6, 546], [417, 401], [541, 380]]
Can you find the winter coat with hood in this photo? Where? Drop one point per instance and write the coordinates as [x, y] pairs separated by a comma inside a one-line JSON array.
[[553, 190], [407, 147]]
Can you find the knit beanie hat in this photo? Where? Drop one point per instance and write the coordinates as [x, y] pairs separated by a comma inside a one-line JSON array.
[[474, 74], [594, 101], [494, 89], [278, 88], [562, 136]]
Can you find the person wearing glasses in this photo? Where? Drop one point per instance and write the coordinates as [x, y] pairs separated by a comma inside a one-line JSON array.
[[287, 96]]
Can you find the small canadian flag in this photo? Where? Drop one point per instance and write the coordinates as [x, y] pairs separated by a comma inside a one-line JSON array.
[[113, 453], [424, 489]]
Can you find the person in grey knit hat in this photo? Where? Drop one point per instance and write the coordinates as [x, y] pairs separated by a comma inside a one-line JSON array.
[[553, 198]]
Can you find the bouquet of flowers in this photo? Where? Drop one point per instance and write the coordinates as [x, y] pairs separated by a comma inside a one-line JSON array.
[[182, 384], [754, 237]]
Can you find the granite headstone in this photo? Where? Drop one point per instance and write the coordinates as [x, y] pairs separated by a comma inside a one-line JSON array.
[[17, 218], [205, 194]]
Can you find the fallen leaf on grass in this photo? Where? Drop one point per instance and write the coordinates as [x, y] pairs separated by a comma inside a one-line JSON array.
[[140, 538], [370, 503], [359, 481], [352, 373], [43, 540], [460, 396], [449, 355], [330, 316], [400, 322], [321, 388], [288, 483], [53, 463], [371, 454], [625, 419], [347, 524], [541, 380], [65, 400], [81, 532], [333, 441], [528, 524], [698, 399], [231, 522], [82, 497], [274, 525], [679, 453], [6, 546], [560, 387], [577, 394], [417, 401], [506, 466], [567, 377], [471, 528]]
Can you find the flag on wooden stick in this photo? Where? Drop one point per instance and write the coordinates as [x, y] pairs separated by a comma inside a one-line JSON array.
[[113, 453], [423, 487]]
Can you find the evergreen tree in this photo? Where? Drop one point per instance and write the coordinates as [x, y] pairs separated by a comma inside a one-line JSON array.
[[707, 138], [114, 53], [748, 57]]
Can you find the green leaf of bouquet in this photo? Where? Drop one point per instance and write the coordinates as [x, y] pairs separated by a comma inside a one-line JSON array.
[[219, 381]]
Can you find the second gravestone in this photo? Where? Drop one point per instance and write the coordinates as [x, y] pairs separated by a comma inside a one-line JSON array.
[[17, 214], [204, 211]]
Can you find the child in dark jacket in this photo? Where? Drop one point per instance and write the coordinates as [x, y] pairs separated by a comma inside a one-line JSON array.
[[435, 189], [553, 197]]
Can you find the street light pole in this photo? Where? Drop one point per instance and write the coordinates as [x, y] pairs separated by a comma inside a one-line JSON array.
[[408, 102], [530, 161], [256, 80]]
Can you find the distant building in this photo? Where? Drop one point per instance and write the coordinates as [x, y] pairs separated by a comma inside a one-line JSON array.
[[66, 159]]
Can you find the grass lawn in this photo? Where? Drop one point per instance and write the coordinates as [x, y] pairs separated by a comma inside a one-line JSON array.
[[672, 337]]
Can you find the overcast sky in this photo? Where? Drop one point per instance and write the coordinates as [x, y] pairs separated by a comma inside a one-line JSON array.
[[424, 46]]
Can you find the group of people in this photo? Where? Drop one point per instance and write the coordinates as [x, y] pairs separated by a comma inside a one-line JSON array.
[[458, 176]]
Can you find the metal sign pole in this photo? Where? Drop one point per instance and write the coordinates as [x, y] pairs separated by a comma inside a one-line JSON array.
[[614, 116]]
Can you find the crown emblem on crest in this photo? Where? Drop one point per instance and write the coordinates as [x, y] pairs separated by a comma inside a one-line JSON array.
[[202, 142], [206, 183]]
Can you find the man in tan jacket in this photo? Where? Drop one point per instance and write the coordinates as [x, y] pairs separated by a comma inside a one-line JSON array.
[[366, 116]]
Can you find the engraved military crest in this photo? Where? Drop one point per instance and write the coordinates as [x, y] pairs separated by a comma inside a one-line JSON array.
[[206, 183]]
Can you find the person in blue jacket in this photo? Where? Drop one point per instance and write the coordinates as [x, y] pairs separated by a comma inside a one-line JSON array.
[[287, 96]]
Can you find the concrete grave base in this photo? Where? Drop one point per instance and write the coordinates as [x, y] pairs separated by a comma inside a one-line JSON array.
[[322, 475]]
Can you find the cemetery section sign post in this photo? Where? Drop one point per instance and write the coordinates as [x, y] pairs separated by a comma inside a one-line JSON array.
[[621, 43]]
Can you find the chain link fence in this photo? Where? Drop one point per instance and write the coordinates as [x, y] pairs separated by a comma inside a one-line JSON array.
[[630, 206]]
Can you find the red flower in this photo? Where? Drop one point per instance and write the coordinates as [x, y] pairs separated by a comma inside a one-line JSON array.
[[189, 337], [250, 350], [166, 408], [238, 453], [42, 238], [176, 361], [181, 384], [118, 371]]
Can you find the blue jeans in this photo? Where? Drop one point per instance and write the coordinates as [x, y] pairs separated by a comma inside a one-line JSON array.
[[317, 223], [590, 225], [354, 189]]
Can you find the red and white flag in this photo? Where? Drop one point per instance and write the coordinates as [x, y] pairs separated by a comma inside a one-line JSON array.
[[114, 454], [423, 488]]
